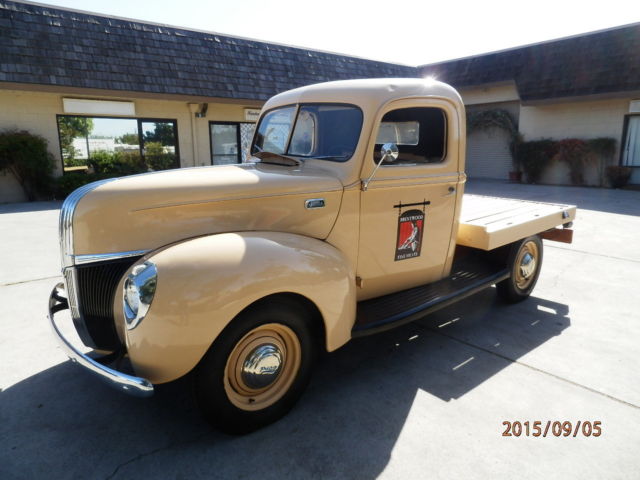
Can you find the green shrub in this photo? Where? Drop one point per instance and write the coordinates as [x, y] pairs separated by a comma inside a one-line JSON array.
[[604, 147], [26, 156], [68, 182], [116, 163], [156, 158], [75, 162], [618, 176], [534, 157], [161, 162]]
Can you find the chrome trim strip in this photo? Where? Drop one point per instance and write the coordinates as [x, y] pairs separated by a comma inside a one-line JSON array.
[[65, 225], [105, 257], [136, 386], [71, 287], [240, 197]]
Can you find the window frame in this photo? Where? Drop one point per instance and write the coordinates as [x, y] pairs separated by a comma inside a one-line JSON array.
[[139, 121], [625, 132]]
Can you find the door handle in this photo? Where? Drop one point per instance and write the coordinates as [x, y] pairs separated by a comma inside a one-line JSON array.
[[452, 190], [313, 203]]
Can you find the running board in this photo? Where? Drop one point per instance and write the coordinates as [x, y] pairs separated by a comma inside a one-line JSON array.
[[383, 313]]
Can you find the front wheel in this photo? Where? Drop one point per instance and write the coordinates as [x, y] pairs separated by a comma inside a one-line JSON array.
[[524, 261], [257, 369]]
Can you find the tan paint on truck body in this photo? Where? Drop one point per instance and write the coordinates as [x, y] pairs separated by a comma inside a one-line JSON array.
[[146, 212], [205, 282]]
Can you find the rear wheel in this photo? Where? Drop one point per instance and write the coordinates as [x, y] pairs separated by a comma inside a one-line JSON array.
[[257, 369], [524, 261]]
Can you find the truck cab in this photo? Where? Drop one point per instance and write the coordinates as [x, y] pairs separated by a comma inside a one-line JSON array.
[[350, 219], [426, 121]]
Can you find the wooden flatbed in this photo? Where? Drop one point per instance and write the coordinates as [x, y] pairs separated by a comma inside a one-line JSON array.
[[490, 222]]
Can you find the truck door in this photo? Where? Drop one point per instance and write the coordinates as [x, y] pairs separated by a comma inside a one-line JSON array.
[[407, 234]]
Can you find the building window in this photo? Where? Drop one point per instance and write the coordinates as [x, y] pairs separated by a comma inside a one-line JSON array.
[[631, 144], [230, 142], [419, 132], [143, 143]]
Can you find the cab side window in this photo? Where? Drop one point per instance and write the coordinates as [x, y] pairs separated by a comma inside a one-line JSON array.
[[419, 132]]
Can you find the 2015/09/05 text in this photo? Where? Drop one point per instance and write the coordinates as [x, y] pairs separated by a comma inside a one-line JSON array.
[[552, 428]]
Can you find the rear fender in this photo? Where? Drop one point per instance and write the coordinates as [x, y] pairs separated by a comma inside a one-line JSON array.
[[204, 283]]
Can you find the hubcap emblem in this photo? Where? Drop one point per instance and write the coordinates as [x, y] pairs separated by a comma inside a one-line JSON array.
[[527, 265], [262, 366]]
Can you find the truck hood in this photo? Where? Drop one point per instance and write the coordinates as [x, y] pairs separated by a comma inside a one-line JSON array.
[[149, 211]]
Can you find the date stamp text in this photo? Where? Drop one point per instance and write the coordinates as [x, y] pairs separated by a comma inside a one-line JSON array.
[[552, 428]]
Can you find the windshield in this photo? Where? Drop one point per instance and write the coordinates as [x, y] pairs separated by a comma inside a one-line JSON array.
[[321, 131]]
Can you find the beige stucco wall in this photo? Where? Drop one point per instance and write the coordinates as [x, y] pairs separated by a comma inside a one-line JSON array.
[[585, 120], [36, 112]]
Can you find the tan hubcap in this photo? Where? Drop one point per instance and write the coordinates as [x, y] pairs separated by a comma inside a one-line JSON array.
[[526, 265], [262, 366]]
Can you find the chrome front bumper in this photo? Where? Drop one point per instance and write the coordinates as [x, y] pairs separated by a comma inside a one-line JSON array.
[[136, 386]]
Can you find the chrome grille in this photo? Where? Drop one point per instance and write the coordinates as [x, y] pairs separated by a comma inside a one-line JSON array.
[[96, 286]]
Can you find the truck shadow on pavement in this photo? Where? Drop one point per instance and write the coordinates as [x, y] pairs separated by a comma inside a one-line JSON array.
[[346, 425]]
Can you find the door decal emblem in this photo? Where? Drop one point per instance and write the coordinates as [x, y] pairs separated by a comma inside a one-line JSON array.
[[410, 231]]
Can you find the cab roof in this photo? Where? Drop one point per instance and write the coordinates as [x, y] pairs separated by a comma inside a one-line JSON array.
[[368, 94]]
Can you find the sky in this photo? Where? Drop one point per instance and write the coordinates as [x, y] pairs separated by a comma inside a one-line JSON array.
[[411, 32]]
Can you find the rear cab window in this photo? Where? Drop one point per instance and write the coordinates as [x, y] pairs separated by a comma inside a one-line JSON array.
[[419, 132]]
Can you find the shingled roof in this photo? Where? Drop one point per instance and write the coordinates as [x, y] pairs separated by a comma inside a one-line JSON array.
[[598, 63], [52, 46]]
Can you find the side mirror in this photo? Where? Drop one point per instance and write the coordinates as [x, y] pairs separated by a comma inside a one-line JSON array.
[[389, 152]]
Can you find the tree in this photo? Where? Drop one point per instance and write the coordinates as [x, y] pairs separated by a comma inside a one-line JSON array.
[[70, 128], [129, 139], [163, 133]]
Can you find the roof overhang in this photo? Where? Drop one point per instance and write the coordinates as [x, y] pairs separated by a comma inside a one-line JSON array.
[[630, 94], [126, 94], [498, 92]]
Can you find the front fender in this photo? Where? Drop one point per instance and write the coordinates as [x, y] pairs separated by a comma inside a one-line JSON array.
[[203, 283]]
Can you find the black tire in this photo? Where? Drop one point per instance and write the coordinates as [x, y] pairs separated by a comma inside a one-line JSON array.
[[519, 285], [225, 387]]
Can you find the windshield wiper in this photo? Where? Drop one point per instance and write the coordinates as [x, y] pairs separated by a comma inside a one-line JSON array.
[[276, 159]]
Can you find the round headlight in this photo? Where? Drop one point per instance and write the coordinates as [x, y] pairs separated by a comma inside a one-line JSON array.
[[131, 296], [139, 289]]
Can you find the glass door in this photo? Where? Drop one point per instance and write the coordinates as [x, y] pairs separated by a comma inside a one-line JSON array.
[[230, 142]]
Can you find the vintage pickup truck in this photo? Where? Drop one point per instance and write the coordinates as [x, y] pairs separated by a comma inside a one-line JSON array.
[[350, 220]]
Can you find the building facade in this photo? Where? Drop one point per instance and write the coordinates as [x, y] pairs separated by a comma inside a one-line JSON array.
[[91, 84], [585, 87], [94, 85]]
